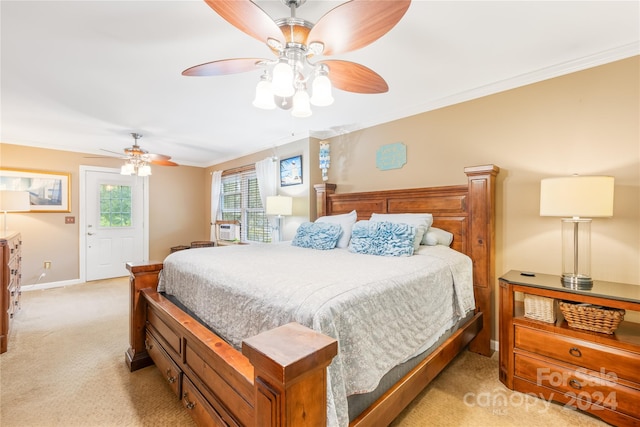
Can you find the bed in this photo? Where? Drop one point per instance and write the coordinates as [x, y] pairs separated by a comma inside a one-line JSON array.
[[285, 375]]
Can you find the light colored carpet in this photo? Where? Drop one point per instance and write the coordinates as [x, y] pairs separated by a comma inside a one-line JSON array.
[[65, 367]]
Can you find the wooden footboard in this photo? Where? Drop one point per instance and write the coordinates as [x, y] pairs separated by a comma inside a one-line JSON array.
[[279, 378]]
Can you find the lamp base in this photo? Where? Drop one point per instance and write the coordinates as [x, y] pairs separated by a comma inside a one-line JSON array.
[[573, 281]]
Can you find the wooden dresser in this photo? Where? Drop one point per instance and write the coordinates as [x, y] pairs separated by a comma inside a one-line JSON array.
[[592, 371], [10, 275]]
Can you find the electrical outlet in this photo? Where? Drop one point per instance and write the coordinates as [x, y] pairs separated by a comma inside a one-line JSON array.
[[47, 265]]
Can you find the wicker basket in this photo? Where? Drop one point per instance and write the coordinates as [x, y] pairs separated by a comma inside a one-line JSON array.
[[540, 308], [202, 244], [592, 317]]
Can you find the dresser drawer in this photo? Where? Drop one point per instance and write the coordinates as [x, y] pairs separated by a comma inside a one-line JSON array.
[[201, 411], [587, 354], [169, 370], [583, 387]]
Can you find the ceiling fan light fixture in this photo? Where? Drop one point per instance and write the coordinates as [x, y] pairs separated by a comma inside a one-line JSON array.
[[301, 105], [144, 170], [264, 94], [127, 169], [283, 80], [321, 90]]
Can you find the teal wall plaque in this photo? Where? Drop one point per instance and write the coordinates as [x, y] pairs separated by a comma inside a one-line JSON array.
[[391, 156]]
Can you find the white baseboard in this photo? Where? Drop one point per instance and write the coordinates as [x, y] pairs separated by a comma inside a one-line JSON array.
[[495, 345], [50, 285]]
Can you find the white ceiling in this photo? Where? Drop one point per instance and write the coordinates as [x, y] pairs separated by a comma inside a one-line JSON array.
[[82, 75]]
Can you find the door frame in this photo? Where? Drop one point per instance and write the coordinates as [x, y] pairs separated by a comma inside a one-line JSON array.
[[83, 216]]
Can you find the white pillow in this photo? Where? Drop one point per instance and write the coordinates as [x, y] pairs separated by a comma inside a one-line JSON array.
[[345, 221], [422, 222], [437, 236]]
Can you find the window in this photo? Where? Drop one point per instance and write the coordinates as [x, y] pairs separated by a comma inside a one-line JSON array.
[[115, 205], [240, 201]]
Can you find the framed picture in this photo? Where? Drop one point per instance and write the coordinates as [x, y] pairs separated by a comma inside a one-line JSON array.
[[48, 191], [291, 171]]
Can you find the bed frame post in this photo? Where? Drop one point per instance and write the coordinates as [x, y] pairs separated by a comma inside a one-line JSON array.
[[482, 184], [322, 193], [141, 276], [290, 375]]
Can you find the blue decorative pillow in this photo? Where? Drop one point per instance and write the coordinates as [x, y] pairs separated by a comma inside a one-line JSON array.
[[318, 235], [382, 238]]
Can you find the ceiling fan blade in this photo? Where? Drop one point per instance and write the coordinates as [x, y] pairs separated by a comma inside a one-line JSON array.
[[120, 155], [154, 157], [162, 162], [248, 18], [355, 24], [352, 77], [223, 67]]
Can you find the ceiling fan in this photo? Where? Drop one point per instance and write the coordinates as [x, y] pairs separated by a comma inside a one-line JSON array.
[[138, 160], [288, 78]]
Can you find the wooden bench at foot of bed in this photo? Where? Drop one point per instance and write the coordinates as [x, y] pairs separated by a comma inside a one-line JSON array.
[[279, 378]]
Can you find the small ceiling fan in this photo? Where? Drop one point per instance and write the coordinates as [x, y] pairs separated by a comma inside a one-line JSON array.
[[137, 159], [135, 152], [289, 77]]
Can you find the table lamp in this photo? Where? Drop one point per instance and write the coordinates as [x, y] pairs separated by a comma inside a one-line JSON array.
[[279, 206], [13, 201], [578, 199]]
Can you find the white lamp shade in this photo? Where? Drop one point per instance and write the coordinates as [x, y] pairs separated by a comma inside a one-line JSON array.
[[279, 205], [577, 196], [14, 201]]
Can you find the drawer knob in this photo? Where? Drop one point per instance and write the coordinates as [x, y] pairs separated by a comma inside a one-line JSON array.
[[575, 351], [187, 404], [575, 384], [170, 377], [147, 345]]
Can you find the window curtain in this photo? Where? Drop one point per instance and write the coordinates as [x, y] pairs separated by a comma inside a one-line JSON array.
[[266, 174], [216, 186], [267, 184]]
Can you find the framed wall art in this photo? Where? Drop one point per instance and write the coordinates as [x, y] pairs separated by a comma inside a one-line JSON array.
[[291, 171], [48, 191]]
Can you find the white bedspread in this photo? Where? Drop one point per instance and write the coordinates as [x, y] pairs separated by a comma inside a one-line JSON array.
[[382, 310]]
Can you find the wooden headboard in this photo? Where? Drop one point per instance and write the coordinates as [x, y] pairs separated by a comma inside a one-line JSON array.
[[467, 211]]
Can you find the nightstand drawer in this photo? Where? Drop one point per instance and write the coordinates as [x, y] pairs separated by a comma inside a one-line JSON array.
[[583, 387], [578, 352]]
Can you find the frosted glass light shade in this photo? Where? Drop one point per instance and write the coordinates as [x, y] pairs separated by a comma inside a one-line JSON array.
[[301, 105], [283, 80], [144, 170], [264, 96], [577, 196], [127, 169], [321, 91]]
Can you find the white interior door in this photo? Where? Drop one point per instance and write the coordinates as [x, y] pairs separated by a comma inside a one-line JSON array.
[[114, 222]]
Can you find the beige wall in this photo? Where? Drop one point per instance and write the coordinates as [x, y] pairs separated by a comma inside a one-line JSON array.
[[176, 212], [585, 123]]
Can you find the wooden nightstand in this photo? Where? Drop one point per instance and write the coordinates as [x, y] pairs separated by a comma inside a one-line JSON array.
[[596, 372]]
